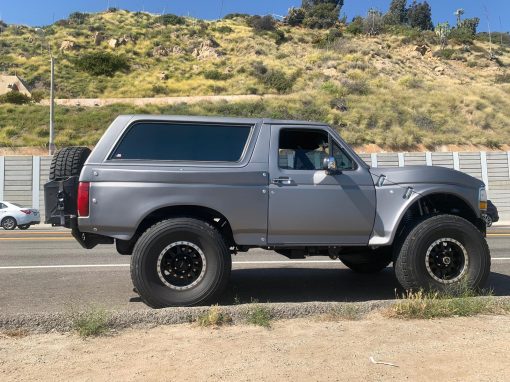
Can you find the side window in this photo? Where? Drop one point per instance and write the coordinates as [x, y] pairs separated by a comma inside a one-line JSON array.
[[302, 149], [183, 142], [343, 161], [2, 206]]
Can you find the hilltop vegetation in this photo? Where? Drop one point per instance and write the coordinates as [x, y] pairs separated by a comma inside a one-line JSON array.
[[397, 86]]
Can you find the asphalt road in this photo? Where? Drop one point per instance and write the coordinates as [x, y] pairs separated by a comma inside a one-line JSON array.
[[47, 271]]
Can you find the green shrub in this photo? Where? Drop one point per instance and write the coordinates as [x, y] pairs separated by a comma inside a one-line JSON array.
[[38, 95], [91, 323], [355, 27], [15, 98], [78, 17], [214, 317], [216, 75], [101, 63], [230, 16], [462, 35], [503, 78], [224, 29], [276, 79], [262, 23], [446, 54], [260, 316], [170, 19], [279, 37]]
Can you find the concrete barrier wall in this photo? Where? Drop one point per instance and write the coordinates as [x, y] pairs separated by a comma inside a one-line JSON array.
[[22, 178]]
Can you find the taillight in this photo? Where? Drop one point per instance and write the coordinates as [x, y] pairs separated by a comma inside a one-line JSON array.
[[83, 198], [27, 212]]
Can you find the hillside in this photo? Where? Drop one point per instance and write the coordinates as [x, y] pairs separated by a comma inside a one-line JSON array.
[[397, 91]]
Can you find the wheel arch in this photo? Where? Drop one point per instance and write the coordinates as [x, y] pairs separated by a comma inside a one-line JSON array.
[[434, 203], [210, 215]]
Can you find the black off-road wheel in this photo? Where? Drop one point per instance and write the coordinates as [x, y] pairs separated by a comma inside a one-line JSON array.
[[180, 262], [9, 223], [374, 262], [441, 253], [68, 162]]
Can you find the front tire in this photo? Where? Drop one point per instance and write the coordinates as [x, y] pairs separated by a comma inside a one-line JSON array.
[[441, 252], [180, 262], [9, 223]]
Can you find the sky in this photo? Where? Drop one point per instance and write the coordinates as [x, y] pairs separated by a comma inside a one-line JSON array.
[[44, 12]]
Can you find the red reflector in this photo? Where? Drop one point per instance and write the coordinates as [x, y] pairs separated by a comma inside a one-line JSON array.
[[27, 212], [83, 199]]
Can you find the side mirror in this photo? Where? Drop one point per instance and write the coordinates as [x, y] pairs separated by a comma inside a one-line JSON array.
[[329, 165]]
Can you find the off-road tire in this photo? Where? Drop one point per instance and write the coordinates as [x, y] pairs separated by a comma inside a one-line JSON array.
[[145, 258], [410, 264], [9, 223], [68, 162]]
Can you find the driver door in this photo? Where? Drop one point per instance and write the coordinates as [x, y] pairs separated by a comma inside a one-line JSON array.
[[308, 206]]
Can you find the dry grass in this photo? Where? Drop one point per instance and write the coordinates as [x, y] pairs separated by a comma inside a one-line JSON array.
[[394, 97]]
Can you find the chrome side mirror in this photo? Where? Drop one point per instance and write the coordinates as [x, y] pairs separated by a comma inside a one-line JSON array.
[[329, 165]]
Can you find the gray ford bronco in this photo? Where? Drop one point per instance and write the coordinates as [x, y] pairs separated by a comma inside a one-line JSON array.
[[182, 194]]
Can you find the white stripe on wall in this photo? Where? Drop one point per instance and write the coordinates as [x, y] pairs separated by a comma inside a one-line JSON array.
[[2, 175], [508, 160], [401, 160], [373, 156], [456, 162], [36, 177], [485, 173], [428, 158]]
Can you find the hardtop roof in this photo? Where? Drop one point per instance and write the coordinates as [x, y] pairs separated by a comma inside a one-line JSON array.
[[229, 120]]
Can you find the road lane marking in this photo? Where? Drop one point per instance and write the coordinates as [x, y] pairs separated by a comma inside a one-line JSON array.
[[268, 262], [36, 239]]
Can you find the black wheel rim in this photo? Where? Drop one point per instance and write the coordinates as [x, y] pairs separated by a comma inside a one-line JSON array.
[[181, 265], [446, 260]]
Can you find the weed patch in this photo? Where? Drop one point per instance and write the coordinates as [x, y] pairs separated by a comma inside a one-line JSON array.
[[91, 323], [214, 317]]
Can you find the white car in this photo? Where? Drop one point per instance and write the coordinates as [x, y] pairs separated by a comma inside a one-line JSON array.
[[13, 215]]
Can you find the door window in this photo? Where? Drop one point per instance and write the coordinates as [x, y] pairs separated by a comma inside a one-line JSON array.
[[343, 161], [302, 149]]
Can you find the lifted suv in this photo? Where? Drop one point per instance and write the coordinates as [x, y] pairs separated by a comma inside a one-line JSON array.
[[182, 194]]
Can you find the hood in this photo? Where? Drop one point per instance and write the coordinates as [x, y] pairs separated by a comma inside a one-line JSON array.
[[410, 175]]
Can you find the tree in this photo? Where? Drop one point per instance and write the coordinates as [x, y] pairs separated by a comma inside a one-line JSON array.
[[459, 12], [397, 13], [470, 24], [373, 24], [419, 15], [314, 3], [321, 16], [443, 31], [295, 16]]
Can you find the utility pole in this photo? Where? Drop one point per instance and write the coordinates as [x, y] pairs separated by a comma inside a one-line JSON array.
[[51, 145]]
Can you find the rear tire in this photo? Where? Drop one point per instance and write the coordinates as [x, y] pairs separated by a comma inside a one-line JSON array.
[[68, 162], [9, 223], [441, 252], [180, 262]]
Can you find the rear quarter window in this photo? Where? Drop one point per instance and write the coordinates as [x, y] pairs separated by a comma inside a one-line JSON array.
[[183, 142]]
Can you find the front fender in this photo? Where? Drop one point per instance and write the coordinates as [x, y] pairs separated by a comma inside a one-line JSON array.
[[393, 203]]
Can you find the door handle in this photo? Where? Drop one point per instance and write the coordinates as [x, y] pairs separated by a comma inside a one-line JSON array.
[[284, 180]]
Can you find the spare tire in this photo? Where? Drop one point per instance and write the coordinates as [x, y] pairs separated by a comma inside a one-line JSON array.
[[68, 162]]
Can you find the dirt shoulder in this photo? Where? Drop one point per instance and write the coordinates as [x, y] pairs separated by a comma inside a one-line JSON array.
[[310, 349]]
